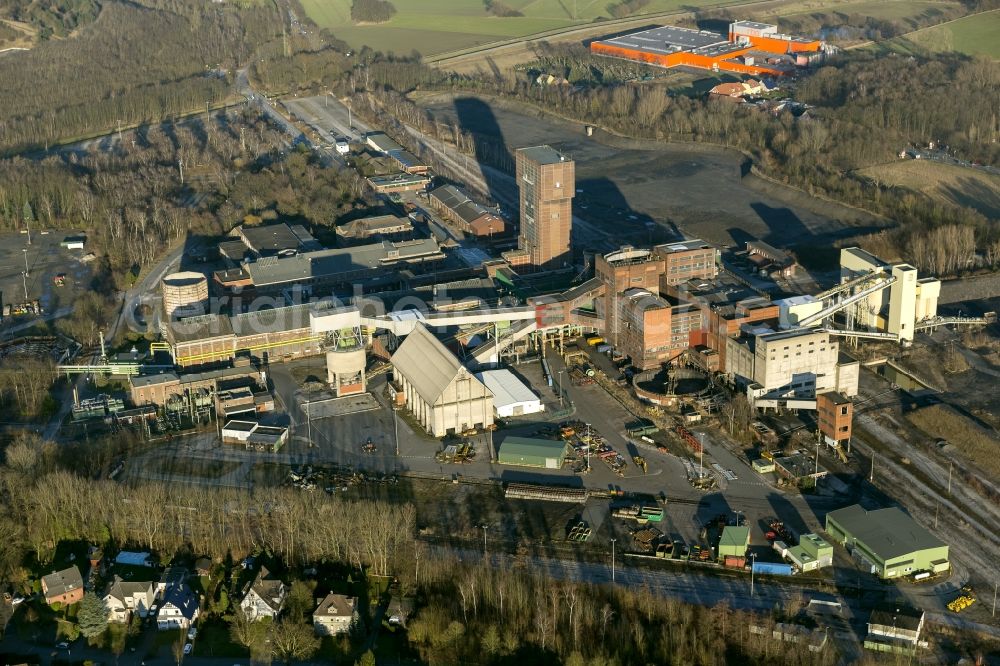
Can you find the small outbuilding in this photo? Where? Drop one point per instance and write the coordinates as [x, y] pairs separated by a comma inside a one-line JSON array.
[[511, 396], [530, 452], [734, 541]]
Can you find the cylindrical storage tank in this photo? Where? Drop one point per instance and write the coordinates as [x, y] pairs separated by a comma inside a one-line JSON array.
[[184, 294]]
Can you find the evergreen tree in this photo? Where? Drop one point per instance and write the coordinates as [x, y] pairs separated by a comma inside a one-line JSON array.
[[92, 616]]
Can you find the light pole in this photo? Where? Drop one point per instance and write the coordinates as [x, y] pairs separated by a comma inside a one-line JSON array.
[[753, 561], [25, 251], [701, 456], [309, 426], [485, 527], [950, 465], [560, 387], [613, 560], [395, 431]]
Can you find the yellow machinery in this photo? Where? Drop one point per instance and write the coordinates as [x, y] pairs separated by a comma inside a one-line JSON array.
[[966, 598]]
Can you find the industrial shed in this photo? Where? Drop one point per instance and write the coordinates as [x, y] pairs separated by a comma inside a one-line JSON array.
[[734, 541], [511, 396], [887, 540], [529, 452], [440, 392]]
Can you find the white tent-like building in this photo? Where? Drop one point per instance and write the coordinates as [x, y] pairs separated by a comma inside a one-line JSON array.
[[511, 396], [440, 392]]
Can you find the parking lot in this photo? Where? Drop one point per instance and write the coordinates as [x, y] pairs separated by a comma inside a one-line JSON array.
[[45, 259]]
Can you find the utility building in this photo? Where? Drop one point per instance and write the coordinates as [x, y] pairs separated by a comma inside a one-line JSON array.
[[440, 392], [511, 396], [546, 181], [734, 541], [530, 452], [889, 541]]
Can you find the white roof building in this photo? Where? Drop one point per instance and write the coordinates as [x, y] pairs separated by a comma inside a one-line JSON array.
[[511, 396], [439, 391]]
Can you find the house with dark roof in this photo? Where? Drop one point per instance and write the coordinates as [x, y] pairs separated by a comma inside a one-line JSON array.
[[63, 587], [265, 596], [179, 609], [335, 614], [124, 598]]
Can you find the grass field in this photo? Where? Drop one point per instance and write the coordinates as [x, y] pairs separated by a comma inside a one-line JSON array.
[[880, 9], [972, 35], [437, 26], [948, 183]]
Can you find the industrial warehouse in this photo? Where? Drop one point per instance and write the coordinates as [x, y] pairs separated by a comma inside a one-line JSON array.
[[887, 540], [757, 49]]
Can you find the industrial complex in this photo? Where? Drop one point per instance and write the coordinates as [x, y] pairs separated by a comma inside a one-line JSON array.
[[757, 49], [459, 341]]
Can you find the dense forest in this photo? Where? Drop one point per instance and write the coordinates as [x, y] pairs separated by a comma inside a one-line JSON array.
[[51, 19], [144, 61]]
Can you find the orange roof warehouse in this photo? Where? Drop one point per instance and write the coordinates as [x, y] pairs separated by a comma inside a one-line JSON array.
[[750, 48]]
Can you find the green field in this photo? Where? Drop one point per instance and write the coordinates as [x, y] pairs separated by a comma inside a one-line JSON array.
[[880, 9], [972, 35], [438, 26]]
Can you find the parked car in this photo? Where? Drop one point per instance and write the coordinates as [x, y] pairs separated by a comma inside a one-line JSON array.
[[187, 648]]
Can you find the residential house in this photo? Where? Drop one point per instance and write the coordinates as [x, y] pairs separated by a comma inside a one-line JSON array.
[[203, 566], [126, 597], [63, 587], [179, 609], [335, 615], [265, 597]]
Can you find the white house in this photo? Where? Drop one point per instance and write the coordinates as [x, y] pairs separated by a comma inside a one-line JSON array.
[[179, 609], [126, 597], [335, 615], [265, 597]]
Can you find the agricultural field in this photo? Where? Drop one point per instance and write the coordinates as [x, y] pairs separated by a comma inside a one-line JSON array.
[[972, 35], [879, 9], [948, 183], [438, 26]]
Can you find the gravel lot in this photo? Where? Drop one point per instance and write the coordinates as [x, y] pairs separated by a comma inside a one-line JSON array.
[[699, 188]]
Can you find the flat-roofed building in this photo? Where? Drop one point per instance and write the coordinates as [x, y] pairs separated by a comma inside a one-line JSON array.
[[368, 230], [348, 265], [690, 259], [836, 417], [892, 624], [268, 240], [439, 391], [546, 182], [888, 541]]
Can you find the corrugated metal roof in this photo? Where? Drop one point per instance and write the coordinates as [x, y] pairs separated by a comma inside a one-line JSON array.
[[506, 388], [888, 533], [426, 364], [528, 447]]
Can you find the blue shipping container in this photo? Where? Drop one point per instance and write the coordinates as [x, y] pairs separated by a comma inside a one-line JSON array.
[[772, 568]]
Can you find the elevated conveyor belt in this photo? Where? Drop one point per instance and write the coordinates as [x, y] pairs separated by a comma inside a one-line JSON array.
[[846, 286], [853, 298]]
